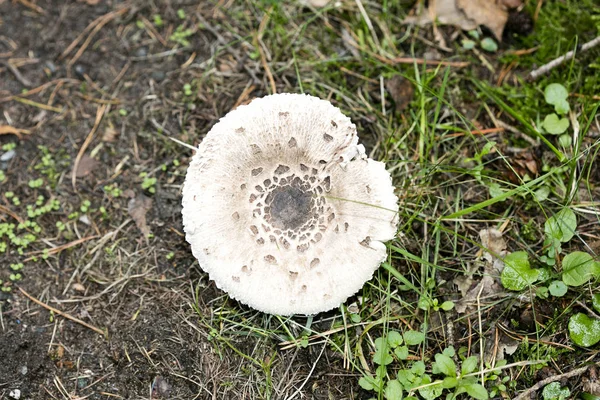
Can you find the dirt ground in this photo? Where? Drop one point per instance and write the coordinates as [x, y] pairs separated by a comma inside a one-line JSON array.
[[110, 303], [153, 345]]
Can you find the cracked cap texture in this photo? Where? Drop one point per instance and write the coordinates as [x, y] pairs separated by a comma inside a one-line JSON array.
[[283, 209]]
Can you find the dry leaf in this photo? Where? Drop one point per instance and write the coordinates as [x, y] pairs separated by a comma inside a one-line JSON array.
[[401, 90], [86, 165], [78, 287], [468, 14], [137, 209], [110, 134], [489, 284], [315, 3], [495, 246], [9, 130]]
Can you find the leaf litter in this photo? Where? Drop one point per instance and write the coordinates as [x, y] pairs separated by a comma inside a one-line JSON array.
[[467, 14], [494, 247]]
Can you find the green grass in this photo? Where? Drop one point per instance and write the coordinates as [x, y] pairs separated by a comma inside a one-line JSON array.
[[452, 183], [448, 189]]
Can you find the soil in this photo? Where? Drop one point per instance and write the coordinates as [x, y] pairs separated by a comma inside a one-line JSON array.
[[81, 61]]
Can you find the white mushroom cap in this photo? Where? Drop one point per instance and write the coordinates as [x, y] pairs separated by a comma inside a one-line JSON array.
[[283, 209]]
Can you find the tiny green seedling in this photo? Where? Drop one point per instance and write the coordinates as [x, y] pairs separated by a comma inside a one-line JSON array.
[[577, 269], [554, 391], [488, 44], [556, 123]]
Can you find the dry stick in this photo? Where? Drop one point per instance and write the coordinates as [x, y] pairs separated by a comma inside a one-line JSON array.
[[7, 211], [58, 249], [420, 61], [86, 143], [62, 314], [37, 89], [227, 47], [87, 29], [558, 61], [15, 71], [542, 383], [261, 51]]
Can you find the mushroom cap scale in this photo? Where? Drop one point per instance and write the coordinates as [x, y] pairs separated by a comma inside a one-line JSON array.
[[283, 209]]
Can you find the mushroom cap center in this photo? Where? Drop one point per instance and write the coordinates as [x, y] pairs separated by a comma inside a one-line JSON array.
[[290, 208]]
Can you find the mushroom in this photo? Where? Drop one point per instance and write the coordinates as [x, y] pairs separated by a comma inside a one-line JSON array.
[[284, 210]]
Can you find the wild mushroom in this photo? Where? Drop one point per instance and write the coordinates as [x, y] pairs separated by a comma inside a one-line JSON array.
[[284, 210]]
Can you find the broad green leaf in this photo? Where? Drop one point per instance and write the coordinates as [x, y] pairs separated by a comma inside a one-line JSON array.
[[401, 352], [488, 44], [475, 390], [555, 126], [393, 390], [413, 338], [542, 193], [544, 274], [517, 274], [449, 351], [406, 378], [366, 383], [564, 140], [382, 357], [561, 226], [449, 382], [394, 339], [578, 268], [596, 302], [555, 93], [495, 189], [430, 392], [447, 305], [583, 330], [418, 368], [553, 391], [444, 365], [558, 289], [469, 365], [562, 107]]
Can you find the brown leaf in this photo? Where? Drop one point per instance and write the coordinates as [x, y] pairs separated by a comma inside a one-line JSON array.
[[9, 130], [488, 13], [315, 3], [401, 90], [137, 209], [86, 166], [468, 14], [110, 134], [494, 244]]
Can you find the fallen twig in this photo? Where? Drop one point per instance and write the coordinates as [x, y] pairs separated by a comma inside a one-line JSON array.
[[421, 61], [58, 249], [7, 211], [526, 394], [558, 61], [38, 105], [11, 130], [63, 314], [15, 71]]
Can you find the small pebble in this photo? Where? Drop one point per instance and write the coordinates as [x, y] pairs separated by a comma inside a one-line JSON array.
[[80, 70], [141, 52], [15, 394], [51, 66], [24, 370], [158, 75], [8, 156]]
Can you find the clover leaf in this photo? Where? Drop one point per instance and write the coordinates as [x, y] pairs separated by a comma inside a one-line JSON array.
[[517, 274], [583, 330], [555, 126]]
